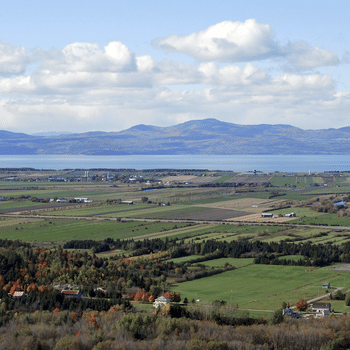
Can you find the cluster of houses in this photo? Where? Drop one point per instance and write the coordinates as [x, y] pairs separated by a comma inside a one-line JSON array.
[[270, 215], [75, 200], [159, 302], [317, 310]]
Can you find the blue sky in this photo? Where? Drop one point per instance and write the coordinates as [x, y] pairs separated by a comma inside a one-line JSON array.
[[108, 65]]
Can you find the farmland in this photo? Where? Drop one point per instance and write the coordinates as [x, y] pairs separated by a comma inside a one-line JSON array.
[[189, 208], [262, 287]]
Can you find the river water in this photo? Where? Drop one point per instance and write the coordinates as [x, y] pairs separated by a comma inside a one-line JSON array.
[[265, 163]]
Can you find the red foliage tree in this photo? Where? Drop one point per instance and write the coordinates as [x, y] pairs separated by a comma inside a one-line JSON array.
[[174, 297], [301, 305], [93, 322]]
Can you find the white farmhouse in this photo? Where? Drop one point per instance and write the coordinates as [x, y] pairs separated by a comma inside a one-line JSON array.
[[161, 301]]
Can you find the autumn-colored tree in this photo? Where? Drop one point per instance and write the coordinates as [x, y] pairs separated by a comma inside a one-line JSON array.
[[139, 294], [16, 287], [166, 309], [301, 305], [55, 311], [2, 282], [145, 296], [93, 322], [114, 308], [177, 297], [174, 297], [44, 289], [32, 288], [169, 295], [151, 299], [75, 316]]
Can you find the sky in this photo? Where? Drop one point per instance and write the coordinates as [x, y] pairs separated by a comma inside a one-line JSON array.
[[79, 66]]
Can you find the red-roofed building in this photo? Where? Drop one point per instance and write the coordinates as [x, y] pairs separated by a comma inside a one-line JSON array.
[[71, 293]]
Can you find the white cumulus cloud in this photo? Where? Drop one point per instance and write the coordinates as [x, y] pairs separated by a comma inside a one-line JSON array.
[[303, 56], [14, 60], [86, 57], [244, 42], [225, 42]]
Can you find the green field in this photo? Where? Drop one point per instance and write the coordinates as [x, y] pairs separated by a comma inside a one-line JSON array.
[[19, 204], [161, 212], [182, 259], [99, 210], [323, 219], [232, 261], [299, 181], [64, 230], [262, 287], [299, 211]]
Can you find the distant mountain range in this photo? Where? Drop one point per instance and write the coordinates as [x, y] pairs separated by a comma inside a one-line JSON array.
[[208, 136]]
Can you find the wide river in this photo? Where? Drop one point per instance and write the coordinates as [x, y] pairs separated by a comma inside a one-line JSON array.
[[266, 163]]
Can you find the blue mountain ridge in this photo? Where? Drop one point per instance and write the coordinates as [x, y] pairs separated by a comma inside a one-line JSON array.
[[207, 136]]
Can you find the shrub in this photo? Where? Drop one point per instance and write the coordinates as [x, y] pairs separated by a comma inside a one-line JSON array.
[[277, 317]]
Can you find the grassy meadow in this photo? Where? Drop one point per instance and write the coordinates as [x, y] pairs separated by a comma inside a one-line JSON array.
[[263, 287]]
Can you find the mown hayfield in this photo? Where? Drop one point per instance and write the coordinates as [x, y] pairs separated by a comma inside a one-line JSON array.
[[164, 212], [252, 205], [223, 179], [310, 232], [218, 198], [176, 232], [274, 239], [324, 219], [11, 221], [337, 305], [300, 212], [56, 192], [299, 181], [229, 233], [65, 230], [99, 210], [332, 237], [18, 204], [261, 287]]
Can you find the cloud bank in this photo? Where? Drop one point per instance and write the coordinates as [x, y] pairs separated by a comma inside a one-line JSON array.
[[83, 87]]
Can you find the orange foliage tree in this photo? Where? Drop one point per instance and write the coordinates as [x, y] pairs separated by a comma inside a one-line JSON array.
[[2, 282], [16, 287], [174, 297]]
